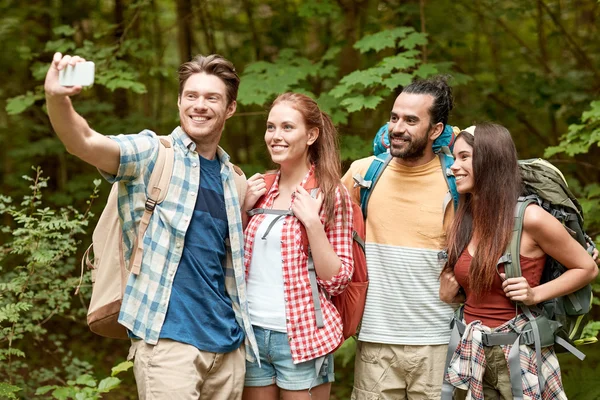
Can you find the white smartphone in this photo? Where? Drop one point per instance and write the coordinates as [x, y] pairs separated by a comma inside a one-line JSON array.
[[82, 74]]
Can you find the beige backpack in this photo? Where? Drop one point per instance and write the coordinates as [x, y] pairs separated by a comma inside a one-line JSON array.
[[109, 272]]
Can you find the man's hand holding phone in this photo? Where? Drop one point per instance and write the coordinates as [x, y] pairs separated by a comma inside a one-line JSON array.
[[67, 75]]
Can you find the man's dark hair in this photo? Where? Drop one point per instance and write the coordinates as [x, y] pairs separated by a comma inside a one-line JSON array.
[[438, 88], [213, 64]]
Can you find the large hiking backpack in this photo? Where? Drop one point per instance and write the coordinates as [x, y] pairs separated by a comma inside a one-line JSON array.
[[109, 270], [546, 186], [381, 143], [351, 302]]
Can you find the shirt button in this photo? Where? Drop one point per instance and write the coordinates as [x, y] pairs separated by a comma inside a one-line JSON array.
[[194, 165], [192, 194], [178, 245]]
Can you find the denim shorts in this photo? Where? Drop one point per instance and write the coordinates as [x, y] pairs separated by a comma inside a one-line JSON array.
[[278, 368]]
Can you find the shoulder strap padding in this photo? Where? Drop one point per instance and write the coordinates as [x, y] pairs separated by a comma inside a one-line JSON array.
[[241, 184], [158, 186], [511, 259], [367, 184], [237, 170]]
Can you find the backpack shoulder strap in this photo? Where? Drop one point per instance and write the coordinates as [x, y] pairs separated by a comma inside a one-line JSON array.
[[158, 186], [370, 179], [511, 259], [446, 161], [160, 178], [240, 182]]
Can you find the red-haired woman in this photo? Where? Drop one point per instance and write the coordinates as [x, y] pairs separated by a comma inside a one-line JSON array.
[[488, 179], [295, 354]]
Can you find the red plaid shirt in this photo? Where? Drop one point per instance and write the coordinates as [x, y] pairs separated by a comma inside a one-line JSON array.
[[308, 342]]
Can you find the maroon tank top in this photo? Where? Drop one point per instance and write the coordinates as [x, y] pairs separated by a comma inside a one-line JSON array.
[[494, 308]]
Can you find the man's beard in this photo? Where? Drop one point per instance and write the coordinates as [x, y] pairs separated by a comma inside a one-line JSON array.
[[414, 149]]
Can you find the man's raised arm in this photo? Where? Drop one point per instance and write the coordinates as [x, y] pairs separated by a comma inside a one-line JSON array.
[[71, 128]]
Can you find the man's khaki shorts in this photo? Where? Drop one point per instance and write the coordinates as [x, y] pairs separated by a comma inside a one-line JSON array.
[[388, 371], [174, 370]]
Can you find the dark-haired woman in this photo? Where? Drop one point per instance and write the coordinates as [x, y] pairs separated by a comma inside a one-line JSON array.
[[295, 353], [487, 177]]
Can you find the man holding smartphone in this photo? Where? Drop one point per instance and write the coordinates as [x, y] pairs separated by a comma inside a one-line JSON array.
[[188, 314]]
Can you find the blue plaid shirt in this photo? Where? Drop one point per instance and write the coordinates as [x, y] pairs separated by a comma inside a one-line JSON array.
[[146, 297]]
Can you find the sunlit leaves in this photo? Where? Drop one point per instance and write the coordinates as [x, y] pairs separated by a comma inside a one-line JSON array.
[[382, 40], [359, 102], [7, 391], [262, 81], [580, 137]]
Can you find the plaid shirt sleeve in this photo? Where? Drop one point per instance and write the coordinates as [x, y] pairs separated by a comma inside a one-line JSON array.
[[339, 234], [138, 154]]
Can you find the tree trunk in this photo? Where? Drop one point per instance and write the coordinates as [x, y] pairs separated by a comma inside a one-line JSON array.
[[120, 102], [185, 38]]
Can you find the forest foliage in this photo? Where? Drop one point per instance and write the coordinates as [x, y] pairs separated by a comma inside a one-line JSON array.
[[533, 66]]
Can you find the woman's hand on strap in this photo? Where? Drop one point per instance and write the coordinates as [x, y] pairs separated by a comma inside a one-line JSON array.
[[518, 290], [305, 207]]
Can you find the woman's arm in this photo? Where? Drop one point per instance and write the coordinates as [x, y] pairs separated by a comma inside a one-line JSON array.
[[545, 231]]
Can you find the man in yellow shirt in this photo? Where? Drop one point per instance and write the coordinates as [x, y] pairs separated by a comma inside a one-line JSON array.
[[404, 334]]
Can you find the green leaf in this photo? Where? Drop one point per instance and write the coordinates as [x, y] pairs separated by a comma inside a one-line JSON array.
[[16, 105], [64, 30], [398, 79], [399, 62], [44, 389], [63, 393], [365, 78], [7, 391], [121, 367], [413, 40], [108, 384], [86, 380], [426, 70], [382, 40], [357, 103]]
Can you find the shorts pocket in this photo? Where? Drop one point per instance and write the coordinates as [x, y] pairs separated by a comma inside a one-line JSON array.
[[369, 352], [132, 350]]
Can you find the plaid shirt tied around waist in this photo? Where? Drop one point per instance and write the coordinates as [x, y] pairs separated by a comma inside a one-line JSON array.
[[308, 342], [468, 364], [147, 295]]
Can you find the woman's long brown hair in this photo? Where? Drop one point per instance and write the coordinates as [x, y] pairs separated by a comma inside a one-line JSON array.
[[487, 214], [324, 153]]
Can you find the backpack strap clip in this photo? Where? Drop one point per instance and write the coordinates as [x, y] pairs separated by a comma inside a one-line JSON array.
[[360, 182], [150, 204]]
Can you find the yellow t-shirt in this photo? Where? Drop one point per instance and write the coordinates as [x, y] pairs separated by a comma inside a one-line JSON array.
[[405, 230]]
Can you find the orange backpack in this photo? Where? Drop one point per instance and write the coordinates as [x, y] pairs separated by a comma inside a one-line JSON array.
[[351, 302]]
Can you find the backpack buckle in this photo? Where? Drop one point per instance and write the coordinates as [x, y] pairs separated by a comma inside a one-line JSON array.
[[150, 205]]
